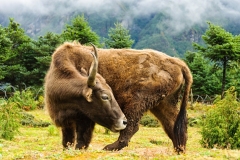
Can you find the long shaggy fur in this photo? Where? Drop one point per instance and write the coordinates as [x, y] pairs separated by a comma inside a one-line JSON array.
[[77, 98], [144, 80]]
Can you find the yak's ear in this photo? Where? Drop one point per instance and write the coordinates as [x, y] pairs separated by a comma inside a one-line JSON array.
[[83, 72], [87, 93]]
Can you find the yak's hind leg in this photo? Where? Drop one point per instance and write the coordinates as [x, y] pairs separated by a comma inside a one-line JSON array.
[[167, 116], [167, 112], [84, 129]]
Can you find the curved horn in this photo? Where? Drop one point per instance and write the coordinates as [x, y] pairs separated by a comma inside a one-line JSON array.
[[95, 50], [93, 70]]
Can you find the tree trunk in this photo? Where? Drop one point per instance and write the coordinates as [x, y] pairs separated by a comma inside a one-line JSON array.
[[224, 76]]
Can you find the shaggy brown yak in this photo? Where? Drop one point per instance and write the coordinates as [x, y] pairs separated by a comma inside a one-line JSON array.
[[76, 101], [141, 80]]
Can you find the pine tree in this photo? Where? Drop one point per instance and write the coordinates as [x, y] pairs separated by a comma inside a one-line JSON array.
[[119, 37], [221, 47], [206, 80], [80, 31], [14, 66], [44, 48], [5, 52]]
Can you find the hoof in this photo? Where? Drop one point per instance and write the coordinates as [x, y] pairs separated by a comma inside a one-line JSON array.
[[116, 146]]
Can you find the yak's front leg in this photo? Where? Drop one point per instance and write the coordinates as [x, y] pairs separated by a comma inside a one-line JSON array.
[[128, 132], [68, 135], [84, 131]]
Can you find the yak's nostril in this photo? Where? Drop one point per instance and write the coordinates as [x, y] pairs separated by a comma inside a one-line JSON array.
[[125, 122]]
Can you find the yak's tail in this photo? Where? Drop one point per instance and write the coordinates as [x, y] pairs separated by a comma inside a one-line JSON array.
[[180, 126]]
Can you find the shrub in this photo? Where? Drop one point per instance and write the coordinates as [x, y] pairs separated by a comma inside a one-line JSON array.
[[10, 116], [194, 121], [30, 120], [24, 99], [41, 102], [221, 127], [196, 113], [149, 121]]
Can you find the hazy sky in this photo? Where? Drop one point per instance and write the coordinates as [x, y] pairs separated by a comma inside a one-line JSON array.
[[182, 13]]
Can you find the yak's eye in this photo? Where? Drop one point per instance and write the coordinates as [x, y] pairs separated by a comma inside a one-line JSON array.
[[105, 97]]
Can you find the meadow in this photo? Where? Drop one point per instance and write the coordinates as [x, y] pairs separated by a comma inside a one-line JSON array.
[[148, 143]]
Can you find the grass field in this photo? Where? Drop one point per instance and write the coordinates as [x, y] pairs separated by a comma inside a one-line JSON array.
[[148, 143]]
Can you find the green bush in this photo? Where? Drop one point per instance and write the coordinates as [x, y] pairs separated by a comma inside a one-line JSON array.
[[24, 99], [10, 116], [40, 102], [221, 127], [149, 121], [194, 121], [30, 120]]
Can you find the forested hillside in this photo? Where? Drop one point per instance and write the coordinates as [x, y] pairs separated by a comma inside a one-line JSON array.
[[156, 30]]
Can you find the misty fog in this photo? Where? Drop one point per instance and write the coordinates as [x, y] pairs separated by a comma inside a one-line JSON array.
[[182, 14]]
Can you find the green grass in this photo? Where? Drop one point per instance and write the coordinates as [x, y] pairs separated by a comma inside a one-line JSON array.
[[147, 143]]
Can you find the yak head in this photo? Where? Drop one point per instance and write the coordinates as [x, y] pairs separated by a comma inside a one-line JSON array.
[[101, 104]]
